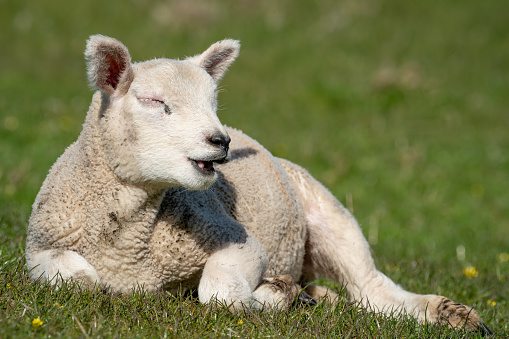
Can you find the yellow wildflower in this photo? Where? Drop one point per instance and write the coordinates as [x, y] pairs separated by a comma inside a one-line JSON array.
[[470, 272], [58, 305], [240, 322], [8, 286], [503, 257], [37, 323], [491, 302]]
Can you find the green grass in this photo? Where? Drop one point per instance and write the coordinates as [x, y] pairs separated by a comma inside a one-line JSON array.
[[399, 107], [70, 312]]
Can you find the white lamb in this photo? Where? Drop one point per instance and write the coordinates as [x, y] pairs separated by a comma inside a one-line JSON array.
[[146, 197]]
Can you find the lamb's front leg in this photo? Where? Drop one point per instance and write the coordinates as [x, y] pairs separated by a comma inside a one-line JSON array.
[[234, 275]]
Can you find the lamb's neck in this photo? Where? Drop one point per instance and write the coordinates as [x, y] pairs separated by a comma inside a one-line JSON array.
[[124, 201]]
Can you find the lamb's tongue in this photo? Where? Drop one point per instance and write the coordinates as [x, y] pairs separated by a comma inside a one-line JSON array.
[[206, 165]]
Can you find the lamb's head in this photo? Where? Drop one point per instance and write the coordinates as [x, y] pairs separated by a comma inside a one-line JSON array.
[[158, 120]]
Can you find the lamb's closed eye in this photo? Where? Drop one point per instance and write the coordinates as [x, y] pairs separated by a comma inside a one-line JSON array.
[[151, 102]]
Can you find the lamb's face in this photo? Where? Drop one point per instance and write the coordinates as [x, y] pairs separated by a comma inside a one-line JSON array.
[[169, 113], [158, 122]]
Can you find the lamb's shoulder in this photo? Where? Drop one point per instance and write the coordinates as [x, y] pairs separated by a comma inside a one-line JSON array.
[[74, 207], [56, 217]]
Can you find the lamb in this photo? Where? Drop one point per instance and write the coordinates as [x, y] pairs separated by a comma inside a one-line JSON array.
[[157, 193]]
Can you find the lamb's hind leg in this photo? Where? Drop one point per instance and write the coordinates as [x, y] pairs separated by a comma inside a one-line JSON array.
[[56, 265], [337, 249]]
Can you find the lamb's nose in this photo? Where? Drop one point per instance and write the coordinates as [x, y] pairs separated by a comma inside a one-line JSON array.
[[220, 140]]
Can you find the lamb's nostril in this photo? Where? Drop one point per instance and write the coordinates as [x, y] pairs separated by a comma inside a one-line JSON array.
[[220, 140]]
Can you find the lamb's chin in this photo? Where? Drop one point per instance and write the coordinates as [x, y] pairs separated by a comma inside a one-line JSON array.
[[199, 181]]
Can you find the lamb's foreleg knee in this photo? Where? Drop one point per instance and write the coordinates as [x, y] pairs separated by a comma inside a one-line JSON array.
[[234, 275], [57, 265]]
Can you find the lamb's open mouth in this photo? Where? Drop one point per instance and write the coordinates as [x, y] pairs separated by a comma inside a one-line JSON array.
[[206, 166]]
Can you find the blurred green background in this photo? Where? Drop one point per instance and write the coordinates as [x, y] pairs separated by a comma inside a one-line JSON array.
[[399, 107]]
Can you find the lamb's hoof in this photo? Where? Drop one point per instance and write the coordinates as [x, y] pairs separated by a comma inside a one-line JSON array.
[[305, 299], [322, 293], [286, 291], [283, 289], [460, 316], [485, 330]]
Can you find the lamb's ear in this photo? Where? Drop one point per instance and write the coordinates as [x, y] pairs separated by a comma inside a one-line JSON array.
[[108, 65], [218, 57]]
